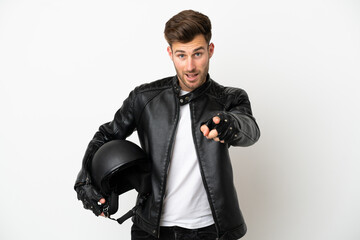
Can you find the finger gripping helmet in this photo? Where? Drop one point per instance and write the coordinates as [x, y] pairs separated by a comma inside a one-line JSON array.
[[117, 167]]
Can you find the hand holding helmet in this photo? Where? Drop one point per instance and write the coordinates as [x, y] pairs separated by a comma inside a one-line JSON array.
[[91, 198], [117, 167]]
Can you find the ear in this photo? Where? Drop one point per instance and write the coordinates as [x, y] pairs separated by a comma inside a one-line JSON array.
[[211, 49], [169, 50]]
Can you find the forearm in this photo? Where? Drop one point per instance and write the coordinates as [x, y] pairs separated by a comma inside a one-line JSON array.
[[247, 129], [119, 128]]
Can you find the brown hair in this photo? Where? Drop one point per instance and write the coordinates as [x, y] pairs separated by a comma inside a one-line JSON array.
[[184, 26]]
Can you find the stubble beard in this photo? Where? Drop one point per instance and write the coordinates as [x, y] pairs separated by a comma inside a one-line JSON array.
[[203, 75]]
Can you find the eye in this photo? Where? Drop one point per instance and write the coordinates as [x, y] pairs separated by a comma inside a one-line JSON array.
[[181, 56], [198, 54]]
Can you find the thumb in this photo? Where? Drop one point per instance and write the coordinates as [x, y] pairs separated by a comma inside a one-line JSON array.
[[205, 130], [102, 200]]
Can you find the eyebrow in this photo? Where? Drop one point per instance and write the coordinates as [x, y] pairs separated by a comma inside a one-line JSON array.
[[195, 50]]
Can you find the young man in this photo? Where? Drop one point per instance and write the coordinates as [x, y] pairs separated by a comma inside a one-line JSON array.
[[185, 124]]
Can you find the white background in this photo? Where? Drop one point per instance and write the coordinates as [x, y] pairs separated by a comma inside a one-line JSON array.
[[66, 66]]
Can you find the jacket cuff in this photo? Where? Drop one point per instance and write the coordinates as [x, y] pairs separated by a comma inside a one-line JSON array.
[[83, 178]]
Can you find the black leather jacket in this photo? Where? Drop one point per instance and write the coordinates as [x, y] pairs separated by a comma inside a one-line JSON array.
[[153, 110]]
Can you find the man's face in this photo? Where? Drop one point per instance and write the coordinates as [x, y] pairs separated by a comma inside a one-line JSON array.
[[191, 61]]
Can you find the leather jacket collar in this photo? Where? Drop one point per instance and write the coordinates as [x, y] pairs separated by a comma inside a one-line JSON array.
[[184, 99]]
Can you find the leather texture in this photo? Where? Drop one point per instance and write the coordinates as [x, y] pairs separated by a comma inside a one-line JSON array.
[[153, 110]]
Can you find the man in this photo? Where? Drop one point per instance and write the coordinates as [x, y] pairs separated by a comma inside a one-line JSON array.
[[185, 124]]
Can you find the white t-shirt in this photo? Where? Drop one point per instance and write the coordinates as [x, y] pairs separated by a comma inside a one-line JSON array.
[[185, 204]]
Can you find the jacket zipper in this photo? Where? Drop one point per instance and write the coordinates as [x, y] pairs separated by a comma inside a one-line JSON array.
[[167, 162], [202, 172]]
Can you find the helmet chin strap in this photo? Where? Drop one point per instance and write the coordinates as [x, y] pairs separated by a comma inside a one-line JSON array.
[[130, 213]]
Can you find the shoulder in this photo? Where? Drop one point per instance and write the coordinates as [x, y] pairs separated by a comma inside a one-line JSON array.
[[224, 93], [143, 94], [155, 86]]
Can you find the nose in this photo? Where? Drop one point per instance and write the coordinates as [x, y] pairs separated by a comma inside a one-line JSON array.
[[190, 65]]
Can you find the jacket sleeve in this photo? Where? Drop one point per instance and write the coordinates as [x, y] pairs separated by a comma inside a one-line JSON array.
[[120, 127], [239, 108]]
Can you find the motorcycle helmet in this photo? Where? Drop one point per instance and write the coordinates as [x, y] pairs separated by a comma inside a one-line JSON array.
[[117, 167]]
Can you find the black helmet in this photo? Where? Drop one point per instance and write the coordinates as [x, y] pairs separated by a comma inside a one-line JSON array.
[[117, 167]]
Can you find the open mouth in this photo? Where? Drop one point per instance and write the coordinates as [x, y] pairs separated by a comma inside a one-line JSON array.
[[191, 76]]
